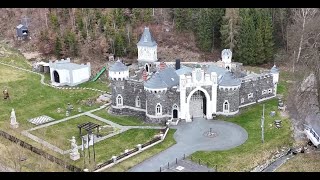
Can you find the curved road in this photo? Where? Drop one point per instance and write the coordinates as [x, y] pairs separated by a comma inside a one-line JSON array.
[[190, 138]]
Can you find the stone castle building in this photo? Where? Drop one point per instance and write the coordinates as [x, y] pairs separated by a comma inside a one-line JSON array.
[[173, 91]]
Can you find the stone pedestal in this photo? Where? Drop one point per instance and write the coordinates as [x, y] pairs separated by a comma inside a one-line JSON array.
[[74, 156], [114, 158], [14, 126], [139, 147]]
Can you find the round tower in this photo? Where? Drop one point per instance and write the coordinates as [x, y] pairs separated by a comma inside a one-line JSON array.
[[118, 71], [226, 56], [275, 74]]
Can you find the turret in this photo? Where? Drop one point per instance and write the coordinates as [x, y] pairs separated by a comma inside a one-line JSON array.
[[118, 71], [275, 74], [147, 47], [226, 56]]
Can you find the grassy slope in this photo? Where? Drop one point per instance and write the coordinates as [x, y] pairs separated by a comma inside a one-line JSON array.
[[58, 134], [302, 163], [127, 164]]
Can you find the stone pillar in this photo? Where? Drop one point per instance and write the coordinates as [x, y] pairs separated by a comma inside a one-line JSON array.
[[161, 136], [114, 158], [75, 156], [139, 146], [127, 150]]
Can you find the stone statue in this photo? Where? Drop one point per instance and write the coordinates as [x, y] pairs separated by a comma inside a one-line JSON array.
[[74, 155], [13, 120]]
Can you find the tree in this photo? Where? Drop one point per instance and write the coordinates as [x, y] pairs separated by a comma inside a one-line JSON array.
[[204, 31], [58, 47], [230, 28], [245, 51], [260, 48], [183, 19], [120, 44], [268, 38]]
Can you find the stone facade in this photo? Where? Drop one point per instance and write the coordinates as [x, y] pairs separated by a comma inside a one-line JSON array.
[[225, 86]]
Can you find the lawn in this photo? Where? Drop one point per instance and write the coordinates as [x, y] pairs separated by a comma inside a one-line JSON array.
[[253, 152], [117, 144], [60, 133], [302, 163], [98, 84], [129, 163], [122, 120], [31, 99], [11, 154]]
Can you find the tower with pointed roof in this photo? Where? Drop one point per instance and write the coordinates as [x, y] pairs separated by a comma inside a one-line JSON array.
[[147, 47]]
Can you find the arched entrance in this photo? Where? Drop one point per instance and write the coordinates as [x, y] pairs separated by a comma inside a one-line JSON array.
[[175, 111], [56, 77], [198, 104]]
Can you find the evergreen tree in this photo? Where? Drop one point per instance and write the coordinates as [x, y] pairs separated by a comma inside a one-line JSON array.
[[204, 32], [268, 38], [246, 40], [120, 44], [230, 28], [147, 15], [58, 47], [182, 17]]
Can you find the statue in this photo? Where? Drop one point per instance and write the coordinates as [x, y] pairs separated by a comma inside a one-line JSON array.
[[5, 94], [74, 155], [13, 120]]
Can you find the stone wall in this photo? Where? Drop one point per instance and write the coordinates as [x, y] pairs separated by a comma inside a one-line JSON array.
[[231, 95], [132, 90], [117, 88], [129, 112], [256, 86]]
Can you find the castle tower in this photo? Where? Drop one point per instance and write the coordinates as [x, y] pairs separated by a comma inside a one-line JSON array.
[[275, 73], [118, 73], [147, 49], [226, 56]]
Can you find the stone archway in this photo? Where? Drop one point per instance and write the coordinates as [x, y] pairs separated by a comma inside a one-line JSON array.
[[56, 76], [198, 103]]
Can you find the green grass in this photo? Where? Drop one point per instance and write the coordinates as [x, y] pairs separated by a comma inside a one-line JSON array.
[[98, 84], [119, 143], [122, 120], [58, 134], [13, 57], [252, 152], [129, 163], [30, 99]]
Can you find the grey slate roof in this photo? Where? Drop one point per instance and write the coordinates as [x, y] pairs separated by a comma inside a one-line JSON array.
[[218, 70], [147, 39], [67, 65], [20, 26], [229, 80], [118, 66], [165, 78], [184, 70], [274, 69], [314, 121]]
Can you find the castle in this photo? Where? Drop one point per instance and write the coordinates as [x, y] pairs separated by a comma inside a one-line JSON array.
[[173, 91]]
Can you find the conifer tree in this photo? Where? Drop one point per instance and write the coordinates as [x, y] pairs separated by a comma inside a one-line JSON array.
[[268, 38], [230, 28]]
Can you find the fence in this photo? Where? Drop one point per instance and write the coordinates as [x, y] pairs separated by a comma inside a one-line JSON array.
[[40, 152], [200, 162], [132, 152]]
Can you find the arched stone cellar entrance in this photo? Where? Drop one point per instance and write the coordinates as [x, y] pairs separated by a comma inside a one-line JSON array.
[[56, 77], [198, 104]]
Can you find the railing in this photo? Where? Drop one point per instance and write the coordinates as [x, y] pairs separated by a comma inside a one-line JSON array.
[[40, 152], [131, 152], [199, 161]]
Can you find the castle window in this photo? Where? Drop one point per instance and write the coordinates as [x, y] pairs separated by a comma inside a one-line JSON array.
[[158, 109], [226, 106], [250, 95], [119, 100], [242, 100], [270, 91], [138, 101], [264, 92]]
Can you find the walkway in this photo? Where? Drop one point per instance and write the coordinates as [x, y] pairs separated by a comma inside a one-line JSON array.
[[190, 138]]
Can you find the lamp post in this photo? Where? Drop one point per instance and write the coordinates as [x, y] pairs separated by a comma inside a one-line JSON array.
[[262, 125]]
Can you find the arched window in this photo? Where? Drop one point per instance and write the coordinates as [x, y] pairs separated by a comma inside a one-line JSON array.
[[138, 102], [147, 68], [119, 100], [242, 100], [158, 109], [226, 106]]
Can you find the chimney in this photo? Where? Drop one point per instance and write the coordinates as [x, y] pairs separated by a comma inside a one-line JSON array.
[[177, 64], [162, 65], [144, 75]]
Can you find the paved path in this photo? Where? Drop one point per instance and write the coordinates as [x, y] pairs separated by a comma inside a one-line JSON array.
[[190, 138], [279, 162]]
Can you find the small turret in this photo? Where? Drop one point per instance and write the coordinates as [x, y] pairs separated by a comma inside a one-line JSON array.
[[275, 72], [226, 56], [118, 71]]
